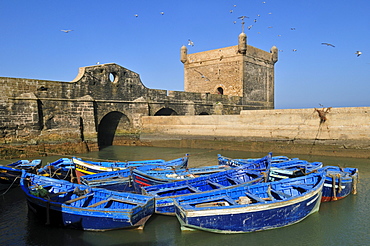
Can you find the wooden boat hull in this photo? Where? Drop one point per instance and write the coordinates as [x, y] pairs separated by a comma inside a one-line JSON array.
[[63, 168], [82, 207], [89, 167], [90, 220], [10, 174], [117, 180], [230, 216], [233, 221], [166, 193], [281, 166], [222, 160], [339, 183], [142, 178]]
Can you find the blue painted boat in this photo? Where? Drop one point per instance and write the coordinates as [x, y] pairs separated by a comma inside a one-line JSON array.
[[119, 180], [116, 180], [293, 168], [239, 176], [222, 160], [251, 208], [59, 202], [339, 183], [142, 178], [281, 166], [10, 174], [63, 168], [84, 167]]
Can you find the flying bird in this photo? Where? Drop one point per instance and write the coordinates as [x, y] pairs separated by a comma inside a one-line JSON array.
[[294, 50], [191, 43], [327, 44], [66, 31], [358, 53]]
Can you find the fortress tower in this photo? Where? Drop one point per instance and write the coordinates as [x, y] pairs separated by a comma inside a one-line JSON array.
[[240, 70]]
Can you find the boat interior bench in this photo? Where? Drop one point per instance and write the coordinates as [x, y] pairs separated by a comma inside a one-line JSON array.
[[182, 187], [215, 184], [115, 199], [216, 201], [78, 198]]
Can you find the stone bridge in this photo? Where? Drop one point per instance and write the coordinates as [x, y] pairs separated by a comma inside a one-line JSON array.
[[101, 103]]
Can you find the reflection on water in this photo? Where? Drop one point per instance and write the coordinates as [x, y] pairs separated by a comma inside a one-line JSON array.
[[344, 222]]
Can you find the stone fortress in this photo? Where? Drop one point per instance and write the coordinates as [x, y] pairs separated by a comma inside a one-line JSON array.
[[106, 101], [228, 103]]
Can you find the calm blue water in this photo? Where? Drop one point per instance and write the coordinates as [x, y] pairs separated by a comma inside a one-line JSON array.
[[344, 222]]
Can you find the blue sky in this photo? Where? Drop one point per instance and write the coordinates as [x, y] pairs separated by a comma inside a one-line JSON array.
[[33, 46]]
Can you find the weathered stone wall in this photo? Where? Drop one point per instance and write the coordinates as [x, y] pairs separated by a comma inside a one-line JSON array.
[[249, 75], [96, 100], [343, 129]]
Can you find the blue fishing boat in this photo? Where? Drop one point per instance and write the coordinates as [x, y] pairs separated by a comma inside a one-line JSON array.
[[239, 176], [251, 208], [120, 180], [10, 174], [63, 168], [281, 166], [222, 160], [116, 180], [339, 183], [142, 178], [84, 167], [59, 202], [293, 168]]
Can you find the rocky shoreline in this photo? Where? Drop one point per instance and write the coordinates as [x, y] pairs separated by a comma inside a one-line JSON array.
[[278, 147]]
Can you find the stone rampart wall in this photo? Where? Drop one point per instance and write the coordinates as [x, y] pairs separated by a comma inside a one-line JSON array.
[[342, 127]]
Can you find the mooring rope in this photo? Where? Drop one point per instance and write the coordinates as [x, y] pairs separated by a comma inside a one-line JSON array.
[[333, 187], [355, 182], [339, 183], [10, 185]]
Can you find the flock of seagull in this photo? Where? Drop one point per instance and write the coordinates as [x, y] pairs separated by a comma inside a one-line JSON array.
[[191, 43]]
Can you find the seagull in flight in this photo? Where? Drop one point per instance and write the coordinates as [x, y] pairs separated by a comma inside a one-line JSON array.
[[191, 43], [66, 31], [327, 44], [243, 17], [358, 53]]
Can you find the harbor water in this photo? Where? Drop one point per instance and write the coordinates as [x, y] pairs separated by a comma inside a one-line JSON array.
[[342, 222]]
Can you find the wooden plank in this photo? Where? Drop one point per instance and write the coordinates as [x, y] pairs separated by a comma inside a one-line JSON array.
[[215, 184], [254, 197], [280, 193], [78, 198], [98, 203]]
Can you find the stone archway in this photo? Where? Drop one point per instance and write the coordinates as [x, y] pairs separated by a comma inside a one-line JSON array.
[[165, 112], [109, 125]]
